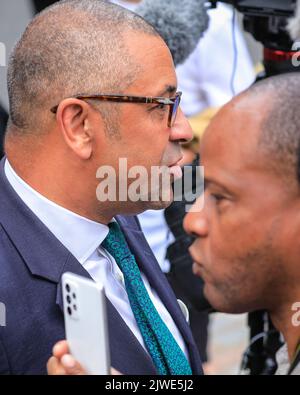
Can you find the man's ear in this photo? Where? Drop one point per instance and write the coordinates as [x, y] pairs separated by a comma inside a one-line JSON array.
[[74, 119]]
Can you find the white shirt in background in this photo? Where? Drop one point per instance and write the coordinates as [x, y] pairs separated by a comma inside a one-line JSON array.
[[205, 77]]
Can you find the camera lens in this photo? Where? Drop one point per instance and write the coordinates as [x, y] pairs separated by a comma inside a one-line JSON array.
[[74, 296], [68, 288], [68, 299], [69, 311], [75, 307]]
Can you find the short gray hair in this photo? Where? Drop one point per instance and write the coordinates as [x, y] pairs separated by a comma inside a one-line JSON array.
[[280, 134], [73, 47]]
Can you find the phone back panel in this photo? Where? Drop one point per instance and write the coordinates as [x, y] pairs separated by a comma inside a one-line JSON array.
[[86, 323]]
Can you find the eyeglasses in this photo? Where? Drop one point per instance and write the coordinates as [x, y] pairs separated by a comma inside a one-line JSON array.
[[173, 102]]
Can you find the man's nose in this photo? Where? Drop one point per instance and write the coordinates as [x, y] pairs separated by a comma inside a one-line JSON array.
[[181, 131], [196, 223]]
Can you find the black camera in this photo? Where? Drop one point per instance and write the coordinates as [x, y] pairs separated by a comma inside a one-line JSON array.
[[266, 21], [284, 8]]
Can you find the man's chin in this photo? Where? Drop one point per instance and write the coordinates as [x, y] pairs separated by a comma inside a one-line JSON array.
[[159, 202], [160, 205], [220, 303]]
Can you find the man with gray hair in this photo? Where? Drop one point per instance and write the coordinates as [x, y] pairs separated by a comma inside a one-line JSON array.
[[89, 83], [246, 245]]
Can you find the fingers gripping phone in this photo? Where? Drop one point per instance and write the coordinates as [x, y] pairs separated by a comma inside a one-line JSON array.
[[86, 323]]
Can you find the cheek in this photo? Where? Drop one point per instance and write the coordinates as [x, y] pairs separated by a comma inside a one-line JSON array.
[[234, 232], [236, 259], [149, 147], [227, 242]]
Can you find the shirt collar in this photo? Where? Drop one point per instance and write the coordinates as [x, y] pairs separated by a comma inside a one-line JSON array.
[[78, 234]]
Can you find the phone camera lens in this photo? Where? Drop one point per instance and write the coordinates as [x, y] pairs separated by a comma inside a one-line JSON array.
[[69, 311], [68, 299], [68, 288], [74, 296], [75, 307]]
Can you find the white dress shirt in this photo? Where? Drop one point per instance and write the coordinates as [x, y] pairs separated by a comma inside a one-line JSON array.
[[158, 235], [83, 238], [205, 77]]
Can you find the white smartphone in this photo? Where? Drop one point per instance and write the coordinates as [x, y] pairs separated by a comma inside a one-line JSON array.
[[86, 323]]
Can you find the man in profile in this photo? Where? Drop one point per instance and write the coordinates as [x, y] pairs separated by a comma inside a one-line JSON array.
[[247, 236], [89, 83]]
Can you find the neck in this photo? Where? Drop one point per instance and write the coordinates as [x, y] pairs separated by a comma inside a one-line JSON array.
[[61, 181], [283, 320]]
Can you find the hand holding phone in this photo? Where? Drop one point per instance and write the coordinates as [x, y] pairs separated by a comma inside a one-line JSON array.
[[86, 323]]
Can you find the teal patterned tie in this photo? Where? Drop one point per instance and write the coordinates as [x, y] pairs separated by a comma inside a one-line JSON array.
[[161, 345]]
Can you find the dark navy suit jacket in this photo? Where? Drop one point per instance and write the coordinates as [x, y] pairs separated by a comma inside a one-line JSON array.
[[32, 262]]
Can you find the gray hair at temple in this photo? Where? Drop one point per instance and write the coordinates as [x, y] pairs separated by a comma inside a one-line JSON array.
[[73, 47], [280, 137]]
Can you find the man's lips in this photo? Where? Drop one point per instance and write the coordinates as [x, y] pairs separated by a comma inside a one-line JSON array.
[[175, 163], [176, 170], [200, 271], [198, 267]]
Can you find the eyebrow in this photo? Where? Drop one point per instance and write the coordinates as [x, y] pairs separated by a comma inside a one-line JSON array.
[[171, 89], [208, 181]]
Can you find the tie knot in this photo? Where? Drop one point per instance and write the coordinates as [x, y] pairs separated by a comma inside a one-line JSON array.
[[115, 233], [115, 242]]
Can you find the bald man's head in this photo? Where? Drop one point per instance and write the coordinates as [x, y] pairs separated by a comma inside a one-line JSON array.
[[74, 47], [280, 129], [246, 236]]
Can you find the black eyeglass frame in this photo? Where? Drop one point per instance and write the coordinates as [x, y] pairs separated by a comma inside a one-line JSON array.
[[173, 102]]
